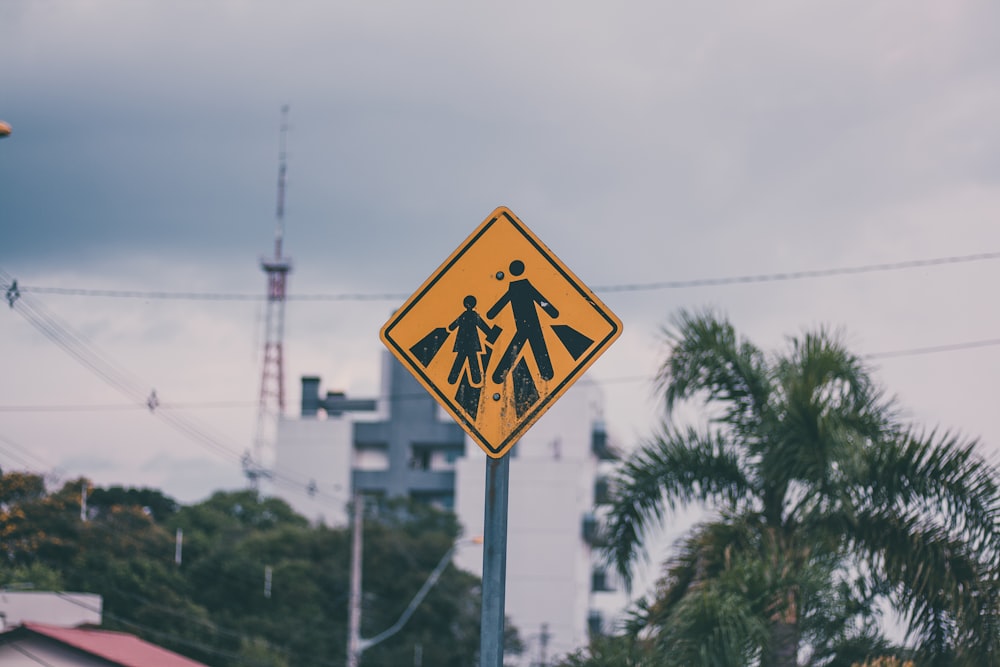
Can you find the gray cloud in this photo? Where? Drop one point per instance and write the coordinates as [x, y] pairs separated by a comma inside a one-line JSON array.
[[641, 141]]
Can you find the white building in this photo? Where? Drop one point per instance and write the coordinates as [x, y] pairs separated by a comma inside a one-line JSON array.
[[403, 444], [557, 591], [65, 610]]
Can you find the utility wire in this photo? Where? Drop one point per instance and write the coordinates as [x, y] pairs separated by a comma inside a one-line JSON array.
[[800, 275], [28, 654], [89, 356], [626, 287], [115, 407], [934, 349], [92, 358], [888, 354], [205, 296], [218, 630], [23, 451], [150, 631], [78, 347]]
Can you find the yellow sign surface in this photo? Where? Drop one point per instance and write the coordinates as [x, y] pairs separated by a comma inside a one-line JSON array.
[[500, 331]]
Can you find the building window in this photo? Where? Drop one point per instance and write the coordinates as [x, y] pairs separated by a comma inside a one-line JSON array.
[[599, 444], [602, 491], [433, 456], [420, 458], [593, 531], [595, 623], [442, 500], [599, 581], [371, 457], [589, 528]]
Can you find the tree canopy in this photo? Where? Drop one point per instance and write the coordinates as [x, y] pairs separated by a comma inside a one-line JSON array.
[[826, 507], [215, 606]]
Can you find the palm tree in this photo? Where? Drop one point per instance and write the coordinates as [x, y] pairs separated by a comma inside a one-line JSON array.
[[826, 504]]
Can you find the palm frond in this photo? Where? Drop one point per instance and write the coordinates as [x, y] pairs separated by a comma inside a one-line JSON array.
[[943, 586], [815, 477], [707, 356], [942, 477], [825, 408], [677, 468]]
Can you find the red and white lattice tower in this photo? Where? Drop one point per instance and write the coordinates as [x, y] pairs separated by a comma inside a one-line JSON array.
[[272, 379]]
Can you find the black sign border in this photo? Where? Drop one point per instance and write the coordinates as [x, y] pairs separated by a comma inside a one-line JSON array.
[[542, 406]]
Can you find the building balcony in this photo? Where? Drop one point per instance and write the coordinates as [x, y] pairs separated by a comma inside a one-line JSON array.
[[599, 444], [602, 491], [595, 623], [411, 482], [600, 582], [592, 531]]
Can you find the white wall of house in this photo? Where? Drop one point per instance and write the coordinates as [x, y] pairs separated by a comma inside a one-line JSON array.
[[66, 610]]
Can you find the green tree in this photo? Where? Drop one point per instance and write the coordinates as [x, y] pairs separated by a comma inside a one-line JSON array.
[[151, 501], [214, 606], [409, 539], [826, 503], [612, 651], [235, 536]]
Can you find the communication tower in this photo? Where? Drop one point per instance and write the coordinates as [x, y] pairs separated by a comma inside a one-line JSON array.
[[271, 404]]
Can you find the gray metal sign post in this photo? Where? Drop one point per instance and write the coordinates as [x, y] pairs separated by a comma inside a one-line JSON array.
[[494, 562], [497, 395]]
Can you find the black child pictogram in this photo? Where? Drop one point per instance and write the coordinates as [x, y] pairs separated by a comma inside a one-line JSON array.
[[524, 302], [468, 348]]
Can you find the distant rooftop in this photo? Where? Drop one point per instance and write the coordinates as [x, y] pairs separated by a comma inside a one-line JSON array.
[[118, 648]]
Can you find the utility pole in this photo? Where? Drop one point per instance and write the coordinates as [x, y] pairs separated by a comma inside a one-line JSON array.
[[354, 603], [355, 644], [83, 501]]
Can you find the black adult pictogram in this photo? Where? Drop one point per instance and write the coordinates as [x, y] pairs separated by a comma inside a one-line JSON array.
[[468, 347], [524, 301]]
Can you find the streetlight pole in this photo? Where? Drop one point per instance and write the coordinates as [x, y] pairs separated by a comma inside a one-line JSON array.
[[355, 644]]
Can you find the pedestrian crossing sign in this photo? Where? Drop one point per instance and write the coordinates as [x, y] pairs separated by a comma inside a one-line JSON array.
[[500, 331]]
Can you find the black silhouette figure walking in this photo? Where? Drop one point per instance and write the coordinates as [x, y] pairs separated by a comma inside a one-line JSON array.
[[524, 302], [468, 348]]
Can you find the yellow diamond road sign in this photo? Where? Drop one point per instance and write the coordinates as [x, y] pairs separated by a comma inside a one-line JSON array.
[[500, 331]]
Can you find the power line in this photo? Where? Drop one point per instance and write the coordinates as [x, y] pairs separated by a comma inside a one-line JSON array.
[[887, 354], [625, 287], [92, 358], [150, 631], [115, 407], [206, 296], [623, 379], [23, 452], [800, 275], [934, 349], [31, 656], [78, 347]]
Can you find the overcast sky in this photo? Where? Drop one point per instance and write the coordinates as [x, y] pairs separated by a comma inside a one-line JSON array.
[[643, 142]]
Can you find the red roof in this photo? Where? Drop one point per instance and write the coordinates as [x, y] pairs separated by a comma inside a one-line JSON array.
[[118, 647]]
